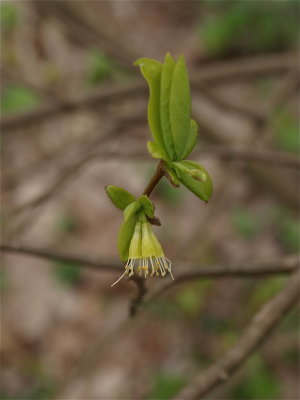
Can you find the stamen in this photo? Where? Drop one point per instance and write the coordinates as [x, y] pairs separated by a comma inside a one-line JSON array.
[[153, 269], [118, 280], [162, 269]]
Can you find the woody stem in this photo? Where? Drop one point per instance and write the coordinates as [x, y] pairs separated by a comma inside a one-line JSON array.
[[159, 173]]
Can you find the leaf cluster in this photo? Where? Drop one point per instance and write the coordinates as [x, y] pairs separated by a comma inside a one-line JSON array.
[[174, 132]]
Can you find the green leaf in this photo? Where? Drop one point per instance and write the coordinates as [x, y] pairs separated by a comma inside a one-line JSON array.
[[151, 71], [156, 151], [194, 177], [147, 205], [119, 196], [165, 94], [180, 107], [192, 138], [125, 236], [131, 209]]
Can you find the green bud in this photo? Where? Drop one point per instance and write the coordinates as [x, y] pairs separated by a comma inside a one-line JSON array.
[[200, 176]]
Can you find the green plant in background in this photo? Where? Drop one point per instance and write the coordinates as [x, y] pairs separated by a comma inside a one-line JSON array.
[[100, 67], [259, 382], [4, 281], [247, 26], [246, 223], [166, 385], [174, 137], [288, 229], [17, 98], [8, 16], [286, 131], [67, 273]]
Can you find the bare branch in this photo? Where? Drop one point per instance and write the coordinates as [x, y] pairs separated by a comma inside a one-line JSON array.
[[254, 269], [257, 269], [270, 157], [108, 92], [159, 173], [138, 299], [242, 153], [267, 318], [247, 67], [56, 256]]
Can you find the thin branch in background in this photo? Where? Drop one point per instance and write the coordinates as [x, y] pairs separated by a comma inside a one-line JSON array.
[[79, 30], [266, 319], [108, 92], [250, 269], [271, 157], [89, 153], [211, 74], [255, 269], [243, 153], [76, 261], [282, 187], [247, 67], [138, 298], [220, 102]]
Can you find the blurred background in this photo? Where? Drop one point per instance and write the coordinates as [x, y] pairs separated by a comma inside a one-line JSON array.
[[74, 120]]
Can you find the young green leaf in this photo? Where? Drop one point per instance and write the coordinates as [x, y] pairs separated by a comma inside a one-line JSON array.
[[119, 196], [195, 178], [151, 71], [132, 209], [147, 205], [165, 94], [125, 236], [180, 107], [192, 138]]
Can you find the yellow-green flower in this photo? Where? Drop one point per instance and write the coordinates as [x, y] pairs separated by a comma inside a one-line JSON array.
[[146, 257]]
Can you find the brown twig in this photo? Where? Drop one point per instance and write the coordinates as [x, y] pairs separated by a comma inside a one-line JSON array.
[[267, 318], [56, 256], [83, 33], [271, 157], [138, 298], [243, 153], [108, 92], [257, 269], [159, 173]]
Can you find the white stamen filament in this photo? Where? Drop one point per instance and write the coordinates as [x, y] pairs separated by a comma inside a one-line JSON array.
[[159, 266]]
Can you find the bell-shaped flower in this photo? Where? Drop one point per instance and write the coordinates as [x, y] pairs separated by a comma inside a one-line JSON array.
[[145, 256]]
